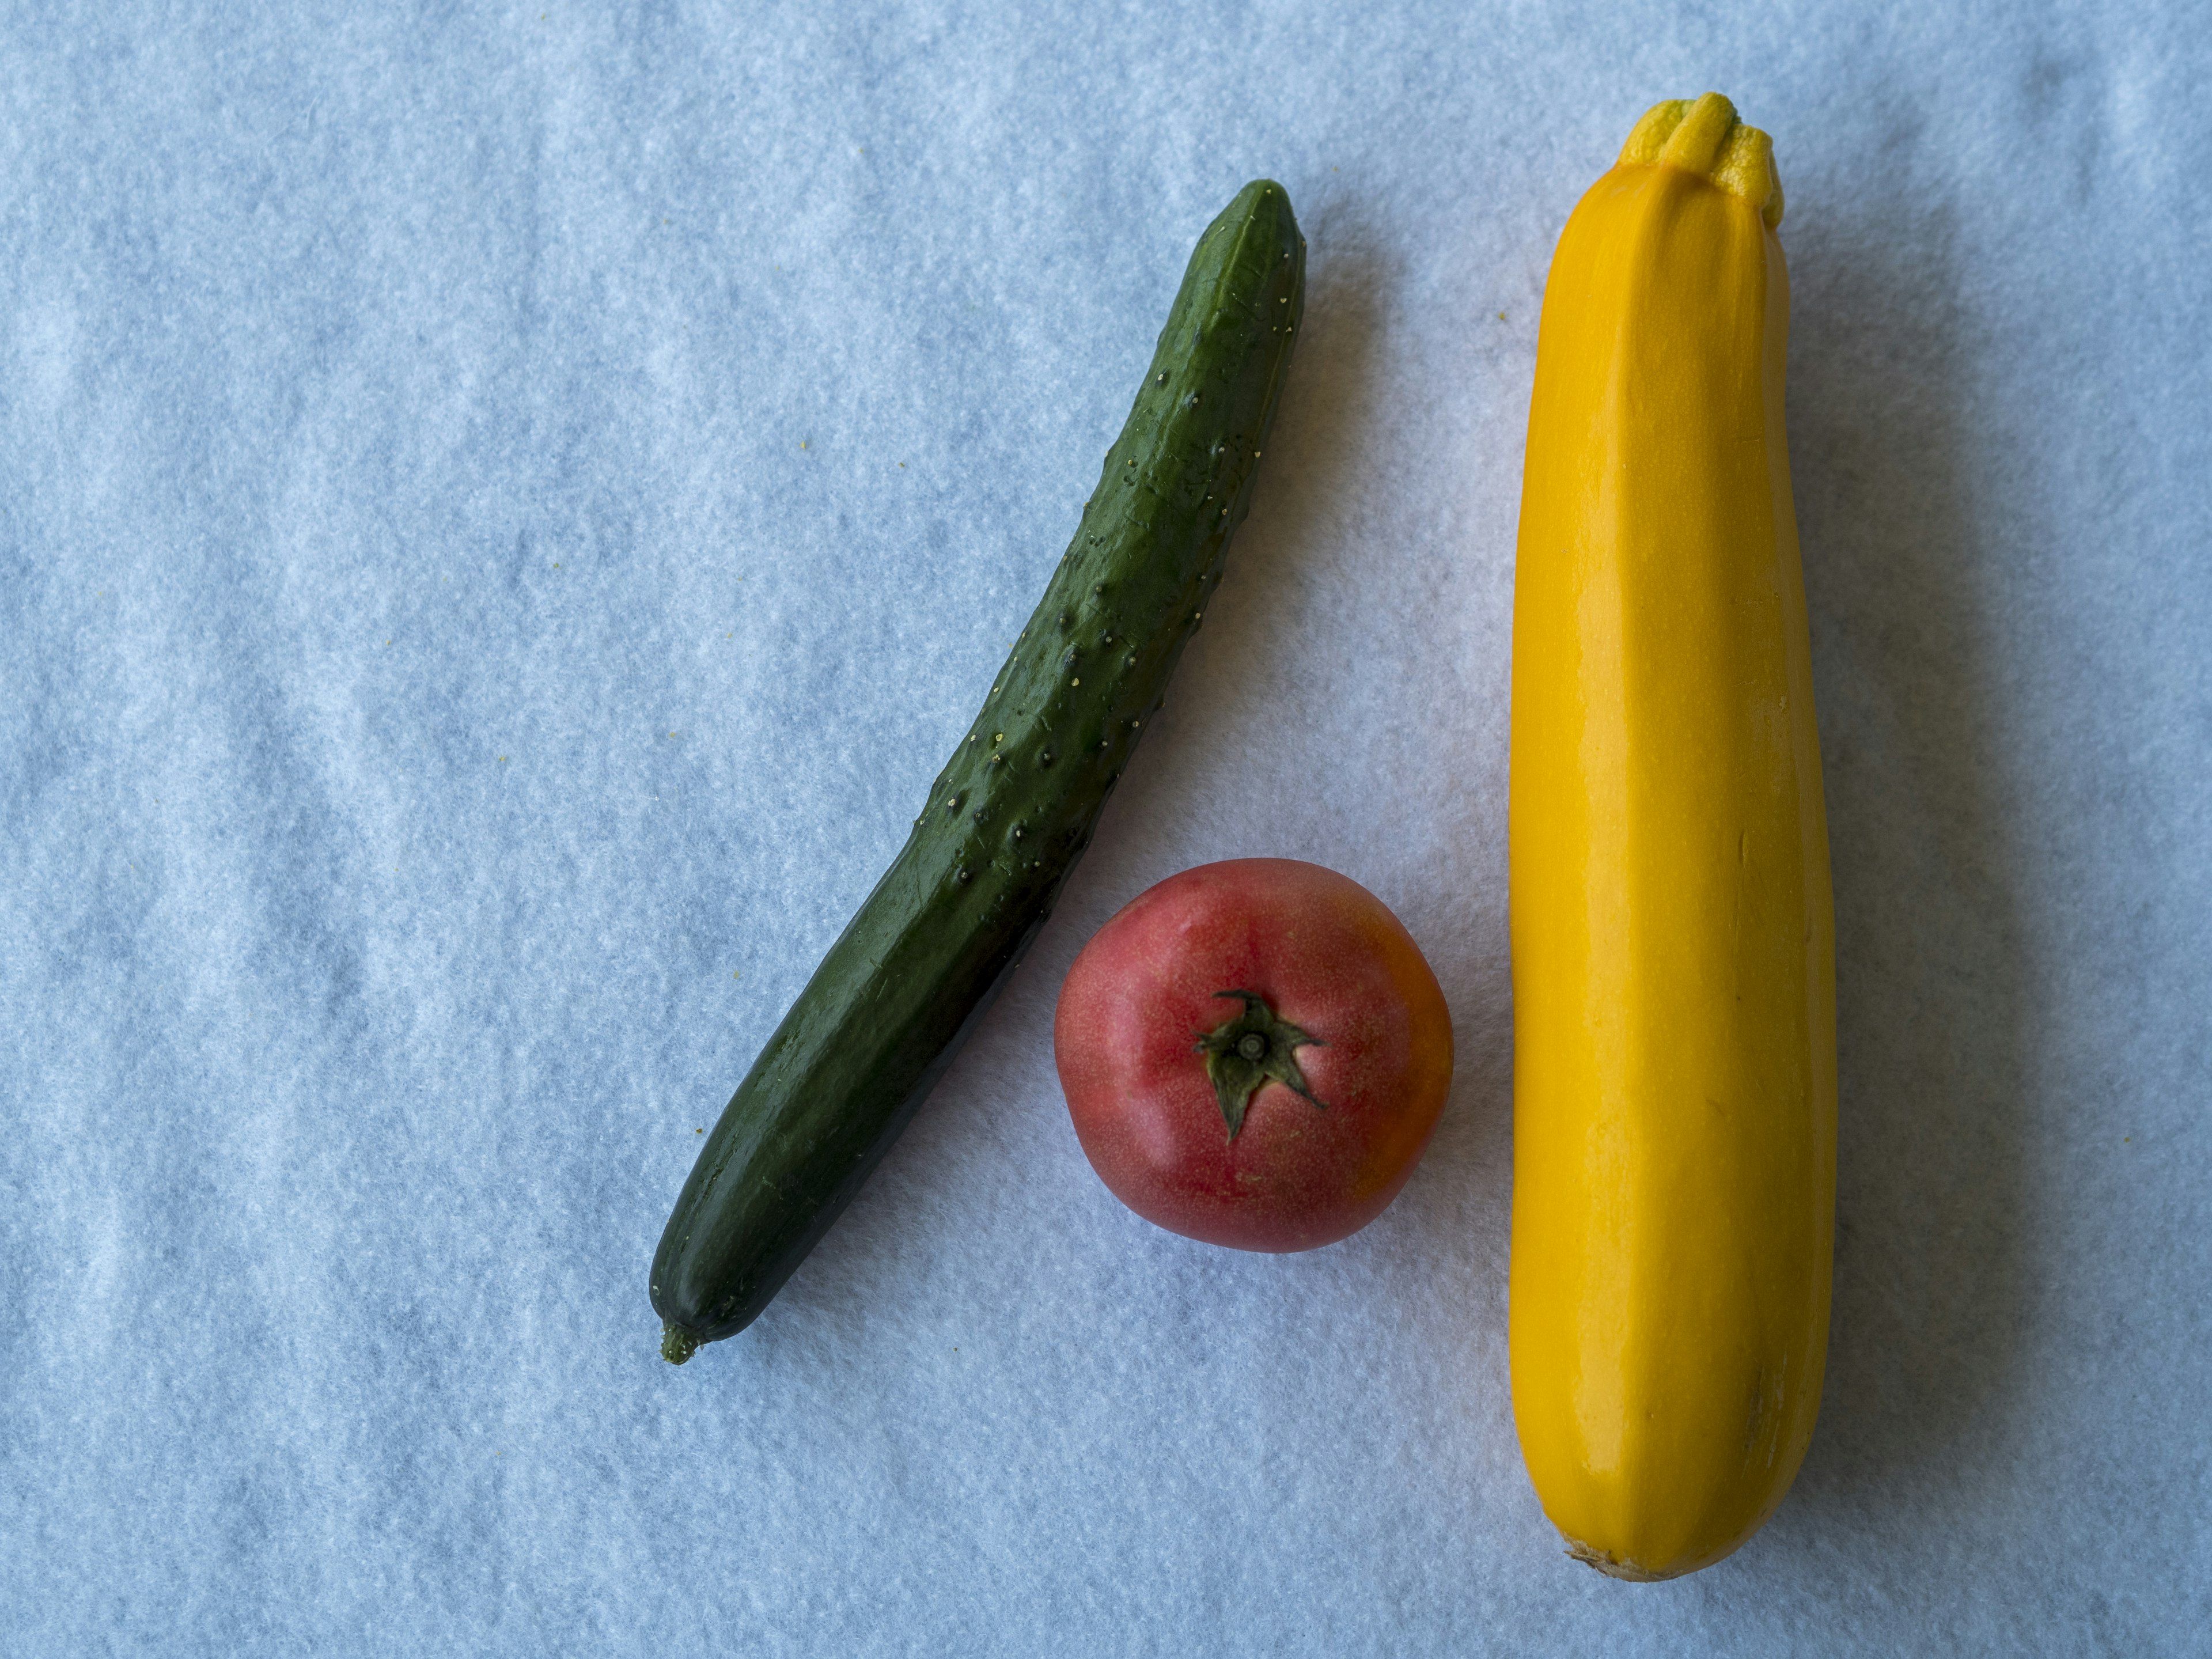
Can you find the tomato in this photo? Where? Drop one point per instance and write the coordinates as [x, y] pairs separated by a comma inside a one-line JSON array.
[[1189, 1021]]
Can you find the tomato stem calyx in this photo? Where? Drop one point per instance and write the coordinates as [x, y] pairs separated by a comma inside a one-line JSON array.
[[1256, 1047]]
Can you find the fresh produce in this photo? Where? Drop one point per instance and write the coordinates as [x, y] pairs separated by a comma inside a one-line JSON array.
[[1014, 808], [1254, 1054], [1674, 1062]]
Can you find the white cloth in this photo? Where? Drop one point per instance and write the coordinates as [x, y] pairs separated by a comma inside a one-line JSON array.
[[502, 514]]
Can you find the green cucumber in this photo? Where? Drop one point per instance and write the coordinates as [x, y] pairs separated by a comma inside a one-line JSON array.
[[1007, 819]]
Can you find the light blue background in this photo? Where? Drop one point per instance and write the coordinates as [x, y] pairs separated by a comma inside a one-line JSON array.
[[502, 513]]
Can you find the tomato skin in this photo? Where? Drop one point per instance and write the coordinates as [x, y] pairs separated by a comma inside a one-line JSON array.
[[1328, 956]]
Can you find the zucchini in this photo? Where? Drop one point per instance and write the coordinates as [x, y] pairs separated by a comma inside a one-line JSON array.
[[1673, 929], [891, 1004]]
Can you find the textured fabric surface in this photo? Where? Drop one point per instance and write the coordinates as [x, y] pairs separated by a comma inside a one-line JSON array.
[[503, 511]]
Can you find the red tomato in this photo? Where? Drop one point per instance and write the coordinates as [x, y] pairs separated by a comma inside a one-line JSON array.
[[1325, 978]]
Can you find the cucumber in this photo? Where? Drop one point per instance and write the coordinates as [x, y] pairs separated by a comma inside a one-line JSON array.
[[890, 1006]]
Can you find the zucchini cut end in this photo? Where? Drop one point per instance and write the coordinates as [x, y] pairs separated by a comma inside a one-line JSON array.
[[677, 1344], [1704, 136]]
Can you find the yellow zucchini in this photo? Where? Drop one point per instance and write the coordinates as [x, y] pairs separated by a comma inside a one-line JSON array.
[[1673, 977]]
